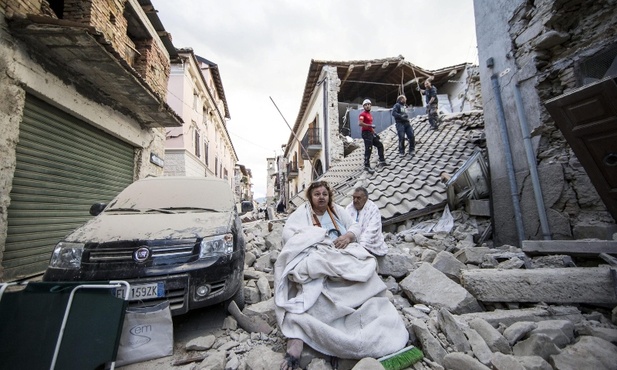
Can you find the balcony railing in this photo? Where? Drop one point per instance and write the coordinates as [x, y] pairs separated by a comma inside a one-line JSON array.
[[312, 142], [292, 170]]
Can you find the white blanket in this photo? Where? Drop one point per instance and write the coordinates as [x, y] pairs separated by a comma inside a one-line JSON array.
[[333, 299], [369, 219]]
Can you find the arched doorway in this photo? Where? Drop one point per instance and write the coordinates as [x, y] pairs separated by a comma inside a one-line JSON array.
[[318, 170]]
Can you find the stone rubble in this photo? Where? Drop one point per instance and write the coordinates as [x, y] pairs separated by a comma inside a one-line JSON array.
[[423, 273]]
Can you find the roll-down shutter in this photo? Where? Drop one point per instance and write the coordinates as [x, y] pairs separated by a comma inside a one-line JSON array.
[[64, 165]]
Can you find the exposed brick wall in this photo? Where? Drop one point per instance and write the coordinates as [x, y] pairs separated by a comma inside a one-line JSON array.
[[107, 17], [77, 11], [152, 64], [25, 7]]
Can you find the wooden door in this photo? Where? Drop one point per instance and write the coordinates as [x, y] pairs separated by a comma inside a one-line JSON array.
[[587, 117]]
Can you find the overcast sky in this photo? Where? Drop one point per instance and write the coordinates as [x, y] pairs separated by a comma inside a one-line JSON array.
[[263, 49]]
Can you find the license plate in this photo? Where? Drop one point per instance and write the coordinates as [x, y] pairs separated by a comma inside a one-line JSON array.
[[139, 292]]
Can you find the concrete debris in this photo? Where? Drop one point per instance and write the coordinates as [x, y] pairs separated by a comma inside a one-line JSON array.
[[590, 285], [461, 361], [588, 353], [479, 347], [430, 286], [536, 345], [201, 343], [493, 338], [466, 306], [518, 330]]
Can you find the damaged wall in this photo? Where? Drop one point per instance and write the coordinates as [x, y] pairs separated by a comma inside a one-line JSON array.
[[336, 140], [24, 78], [539, 46], [144, 53], [462, 89]]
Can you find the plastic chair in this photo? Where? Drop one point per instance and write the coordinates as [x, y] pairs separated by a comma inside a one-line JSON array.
[[60, 325]]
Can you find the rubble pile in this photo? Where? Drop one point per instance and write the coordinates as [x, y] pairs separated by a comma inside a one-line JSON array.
[[465, 306]]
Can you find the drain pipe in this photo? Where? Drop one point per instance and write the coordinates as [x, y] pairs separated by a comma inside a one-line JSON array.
[[531, 161], [509, 162]]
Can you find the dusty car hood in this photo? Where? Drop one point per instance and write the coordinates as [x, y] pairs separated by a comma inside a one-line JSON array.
[[115, 227]]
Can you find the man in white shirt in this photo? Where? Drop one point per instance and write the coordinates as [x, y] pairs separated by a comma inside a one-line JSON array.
[[367, 214]]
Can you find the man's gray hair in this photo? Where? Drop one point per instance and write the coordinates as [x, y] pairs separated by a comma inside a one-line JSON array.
[[362, 189]]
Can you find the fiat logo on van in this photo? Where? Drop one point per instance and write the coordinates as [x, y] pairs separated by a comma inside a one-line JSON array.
[[141, 254]]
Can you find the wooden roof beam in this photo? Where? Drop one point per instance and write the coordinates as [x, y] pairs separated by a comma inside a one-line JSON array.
[[349, 70]]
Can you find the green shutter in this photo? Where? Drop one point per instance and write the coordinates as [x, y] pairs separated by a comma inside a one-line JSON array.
[[64, 165]]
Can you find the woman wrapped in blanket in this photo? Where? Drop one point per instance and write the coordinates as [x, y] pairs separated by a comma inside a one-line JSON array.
[[327, 291]]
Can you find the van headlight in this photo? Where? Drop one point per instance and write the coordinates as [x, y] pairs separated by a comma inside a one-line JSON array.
[[216, 246], [67, 255]]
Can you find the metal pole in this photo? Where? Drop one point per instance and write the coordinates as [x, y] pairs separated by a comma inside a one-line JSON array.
[[531, 161], [509, 162]]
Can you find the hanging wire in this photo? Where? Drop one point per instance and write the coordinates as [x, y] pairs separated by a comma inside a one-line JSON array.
[[297, 139]]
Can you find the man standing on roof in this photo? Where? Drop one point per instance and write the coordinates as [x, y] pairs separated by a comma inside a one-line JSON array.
[[367, 214], [403, 127], [431, 104], [370, 137]]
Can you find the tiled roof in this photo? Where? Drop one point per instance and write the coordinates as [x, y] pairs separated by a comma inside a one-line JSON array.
[[409, 186]]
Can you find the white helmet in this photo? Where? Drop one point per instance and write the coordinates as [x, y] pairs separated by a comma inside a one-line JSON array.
[[366, 101]]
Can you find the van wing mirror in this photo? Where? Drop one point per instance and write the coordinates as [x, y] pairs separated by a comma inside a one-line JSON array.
[[97, 208]]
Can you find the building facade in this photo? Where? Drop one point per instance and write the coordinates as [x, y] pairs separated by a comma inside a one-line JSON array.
[[243, 183], [84, 112], [541, 55], [202, 146]]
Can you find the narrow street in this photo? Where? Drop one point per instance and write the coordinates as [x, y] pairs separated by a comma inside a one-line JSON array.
[[482, 132]]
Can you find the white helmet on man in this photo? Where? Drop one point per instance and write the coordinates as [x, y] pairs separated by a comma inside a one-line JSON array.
[[366, 101]]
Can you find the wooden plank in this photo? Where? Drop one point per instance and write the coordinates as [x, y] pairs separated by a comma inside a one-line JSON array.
[[609, 259], [415, 214], [591, 285], [572, 247]]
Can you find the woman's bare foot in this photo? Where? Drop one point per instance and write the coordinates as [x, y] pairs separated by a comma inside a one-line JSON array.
[[292, 357]]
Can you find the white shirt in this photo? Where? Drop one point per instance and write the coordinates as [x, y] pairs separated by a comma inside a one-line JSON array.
[[369, 219]]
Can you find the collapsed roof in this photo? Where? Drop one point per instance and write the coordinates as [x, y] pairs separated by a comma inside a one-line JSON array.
[[386, 78]]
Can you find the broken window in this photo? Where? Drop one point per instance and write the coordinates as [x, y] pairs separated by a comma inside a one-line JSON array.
[[471, 181]]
